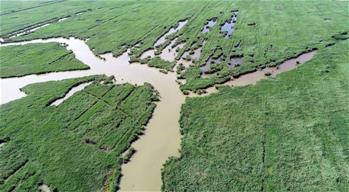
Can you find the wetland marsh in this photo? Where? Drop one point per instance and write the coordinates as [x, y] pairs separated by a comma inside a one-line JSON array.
[[213, 95]]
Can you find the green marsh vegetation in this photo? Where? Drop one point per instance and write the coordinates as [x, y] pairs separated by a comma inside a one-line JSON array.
[[281, 30], [20, 60], [157, 62], [290, 133], [266, 33], [77, 145], [284, 134], [112, 25], [17, 16]]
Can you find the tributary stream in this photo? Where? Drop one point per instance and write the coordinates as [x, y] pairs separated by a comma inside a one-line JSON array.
[[162, 137]]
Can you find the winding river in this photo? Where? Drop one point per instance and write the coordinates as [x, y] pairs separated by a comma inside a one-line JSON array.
[[162, 137]]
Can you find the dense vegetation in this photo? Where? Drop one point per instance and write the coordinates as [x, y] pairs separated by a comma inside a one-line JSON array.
[[157, 62], [290, 133], [111, 25], [20, 60], [280, 30], [19, 15], [75, 146], [266, 33]]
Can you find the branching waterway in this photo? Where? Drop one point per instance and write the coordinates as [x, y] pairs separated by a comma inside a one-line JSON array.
[[162, 137]]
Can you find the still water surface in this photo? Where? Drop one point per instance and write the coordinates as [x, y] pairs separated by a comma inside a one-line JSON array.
[[162, 137]]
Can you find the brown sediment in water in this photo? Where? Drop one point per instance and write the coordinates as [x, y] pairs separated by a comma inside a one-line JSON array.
[[148, 54], [187, 59], [161, 138], [253, 77], [169, 53]]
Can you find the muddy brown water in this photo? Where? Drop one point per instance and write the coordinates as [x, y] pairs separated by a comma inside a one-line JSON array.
[[254, 77], [149, 53], [194, 57], [162, 137], [172, 30], [169, 53]]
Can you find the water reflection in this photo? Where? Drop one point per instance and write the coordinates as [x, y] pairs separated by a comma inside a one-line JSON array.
[[210, 23], [172, 30]]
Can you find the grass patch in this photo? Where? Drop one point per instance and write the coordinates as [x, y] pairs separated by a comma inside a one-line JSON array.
[[76, 145], [281, 30], [157, 62], [20, 60], [286, 134], [266, 33]]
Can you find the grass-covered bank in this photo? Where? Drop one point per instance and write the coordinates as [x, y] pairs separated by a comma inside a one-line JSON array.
[[265, 33], [20, 60], [285, 134], [75, 146]]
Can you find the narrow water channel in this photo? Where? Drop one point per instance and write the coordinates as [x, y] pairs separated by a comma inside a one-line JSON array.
[[70, 93], [172, 30], [162, 137]]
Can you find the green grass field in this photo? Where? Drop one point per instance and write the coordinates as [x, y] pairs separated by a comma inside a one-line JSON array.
[[289, 133], [19, 15], [281, 30], [75, 146], [157, 62], [285, 134], [20, 60]]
